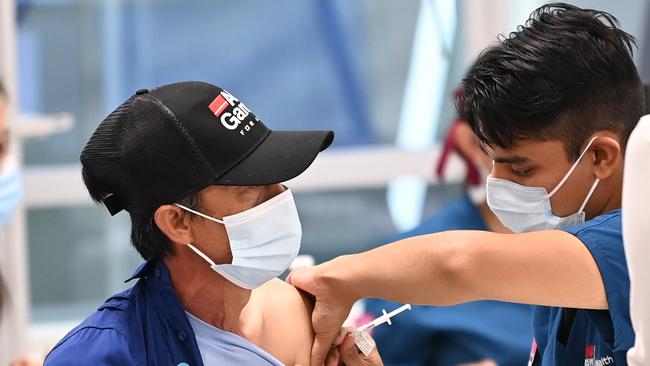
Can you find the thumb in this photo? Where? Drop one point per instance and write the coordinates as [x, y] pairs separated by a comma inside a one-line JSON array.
[[302, 278]]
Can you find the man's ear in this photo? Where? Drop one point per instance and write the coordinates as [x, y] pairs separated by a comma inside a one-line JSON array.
[[174, 223], [607, 154]]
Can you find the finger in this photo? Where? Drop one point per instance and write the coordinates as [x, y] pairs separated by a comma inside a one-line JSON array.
[[302, 278], [322, 344], [339, 338], [374, 358], [351, 355], [288, 279], [333, 357]]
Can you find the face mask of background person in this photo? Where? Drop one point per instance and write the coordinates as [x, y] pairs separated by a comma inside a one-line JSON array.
[[11, 189]]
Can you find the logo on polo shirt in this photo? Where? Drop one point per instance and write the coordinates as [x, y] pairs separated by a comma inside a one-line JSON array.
[[236, 114], [590, 357]]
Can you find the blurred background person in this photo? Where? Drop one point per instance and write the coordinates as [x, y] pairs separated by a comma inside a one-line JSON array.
[[11, 193], [10, 185], [11, 190]]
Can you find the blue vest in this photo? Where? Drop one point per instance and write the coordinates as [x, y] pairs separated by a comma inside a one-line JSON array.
[[146, 325], [591, 337]]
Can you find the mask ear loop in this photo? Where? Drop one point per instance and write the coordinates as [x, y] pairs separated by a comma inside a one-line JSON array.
[[200, 253], [198, 213], [591, 191], [575, 165]]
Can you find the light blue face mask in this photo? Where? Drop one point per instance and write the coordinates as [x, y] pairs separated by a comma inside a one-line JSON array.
[[522, 209], [11, 191], [264, 240]]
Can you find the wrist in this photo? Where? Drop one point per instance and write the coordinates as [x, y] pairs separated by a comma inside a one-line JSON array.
[[337, 279]]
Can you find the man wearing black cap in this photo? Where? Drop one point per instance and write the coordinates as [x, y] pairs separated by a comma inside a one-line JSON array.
[[200, 176]]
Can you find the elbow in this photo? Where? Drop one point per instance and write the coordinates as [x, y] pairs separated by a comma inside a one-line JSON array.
[[460, 266]]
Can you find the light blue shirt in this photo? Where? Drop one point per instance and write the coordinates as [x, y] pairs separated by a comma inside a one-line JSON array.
[[219, 347]]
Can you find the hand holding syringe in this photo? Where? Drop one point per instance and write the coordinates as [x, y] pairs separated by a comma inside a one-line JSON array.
[[363, 341]]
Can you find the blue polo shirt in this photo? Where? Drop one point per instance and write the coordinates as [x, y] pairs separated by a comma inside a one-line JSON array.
[[591, 337], [146, 325], [443, 336]]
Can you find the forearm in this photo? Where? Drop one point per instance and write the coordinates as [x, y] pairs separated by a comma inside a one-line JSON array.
[[426, 269], [551, 268]]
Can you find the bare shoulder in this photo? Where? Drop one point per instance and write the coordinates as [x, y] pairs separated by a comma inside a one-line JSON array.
[[289, 311], [289, 299]]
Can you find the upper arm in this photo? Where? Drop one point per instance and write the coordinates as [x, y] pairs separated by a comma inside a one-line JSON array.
[[301, 316], [552, 268], [292, 331]]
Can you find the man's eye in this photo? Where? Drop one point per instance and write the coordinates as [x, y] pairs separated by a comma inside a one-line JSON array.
[[521, 172]]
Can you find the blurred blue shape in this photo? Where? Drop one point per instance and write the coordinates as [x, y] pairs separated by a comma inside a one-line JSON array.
[[349, 81]]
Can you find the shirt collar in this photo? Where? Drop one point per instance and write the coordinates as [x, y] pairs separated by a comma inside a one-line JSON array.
[[144, 269]]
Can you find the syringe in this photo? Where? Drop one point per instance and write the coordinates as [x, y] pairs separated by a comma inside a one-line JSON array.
[[383, 318]]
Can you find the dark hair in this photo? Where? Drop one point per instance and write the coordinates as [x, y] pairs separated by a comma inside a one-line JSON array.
[[146, 236], [563, 75]]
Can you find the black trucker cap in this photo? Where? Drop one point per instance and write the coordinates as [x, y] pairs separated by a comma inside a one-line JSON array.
[[164, 144]]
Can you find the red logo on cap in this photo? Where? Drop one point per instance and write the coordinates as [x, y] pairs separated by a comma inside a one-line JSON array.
[[218, 105], [590, 351]]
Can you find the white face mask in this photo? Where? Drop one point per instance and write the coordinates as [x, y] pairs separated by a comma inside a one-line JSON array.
[[522, 209], [477, 193], [11, 191], [264, 240]]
